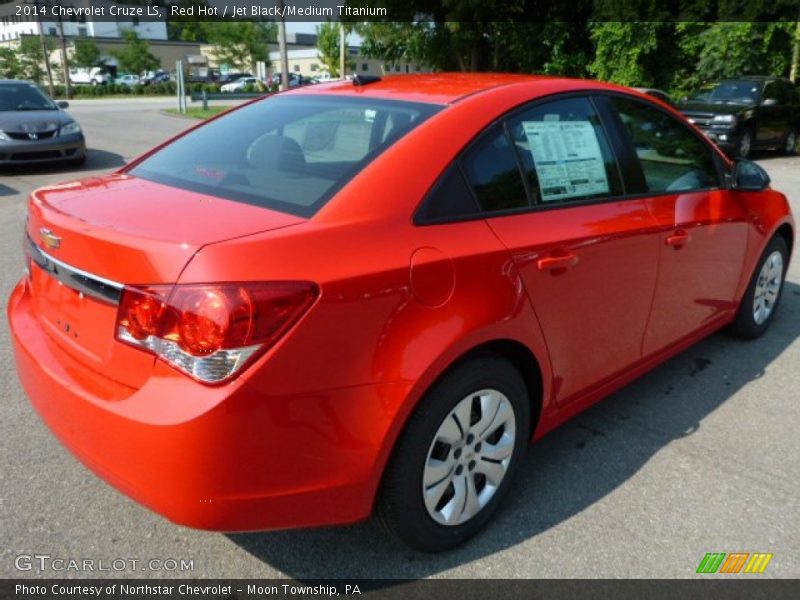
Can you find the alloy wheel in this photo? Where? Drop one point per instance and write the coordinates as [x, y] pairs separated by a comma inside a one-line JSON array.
[[768, 287], [791, 143], [744, 144], [469, 457]]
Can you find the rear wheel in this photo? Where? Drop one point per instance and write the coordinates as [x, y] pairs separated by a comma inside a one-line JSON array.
[[454, 462], [764, 291]]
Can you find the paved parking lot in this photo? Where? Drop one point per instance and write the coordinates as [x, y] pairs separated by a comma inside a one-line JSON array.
[[700, 455]]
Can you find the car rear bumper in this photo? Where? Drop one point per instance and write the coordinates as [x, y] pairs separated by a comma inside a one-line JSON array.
[[218, 458], [66, 147]]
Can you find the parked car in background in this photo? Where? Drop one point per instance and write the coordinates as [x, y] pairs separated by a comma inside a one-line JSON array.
[[295, 80], [743, 114], [323, 77], [249, 361], [656, 93], [231, 76], [159, 76], [34, 129], [128, 79], [90, 76], [240, 84]]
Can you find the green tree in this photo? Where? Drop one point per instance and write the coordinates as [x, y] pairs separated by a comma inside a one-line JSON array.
[[135, 56], [86, 54], [624, 51], [9, 64], [328, 47], [241, 44], [487, 35], [31, 59]]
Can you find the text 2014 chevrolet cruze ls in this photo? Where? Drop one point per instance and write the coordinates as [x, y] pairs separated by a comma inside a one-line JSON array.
[[369, 297]]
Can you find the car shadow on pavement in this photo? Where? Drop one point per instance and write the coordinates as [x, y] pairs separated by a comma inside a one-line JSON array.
[[7, 191], [564, 473], [95, 160]]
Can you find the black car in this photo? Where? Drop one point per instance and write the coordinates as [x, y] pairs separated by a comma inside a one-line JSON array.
[[746, 113], [34, 129]]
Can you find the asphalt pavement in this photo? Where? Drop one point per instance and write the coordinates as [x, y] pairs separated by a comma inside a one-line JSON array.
[[700, 455]]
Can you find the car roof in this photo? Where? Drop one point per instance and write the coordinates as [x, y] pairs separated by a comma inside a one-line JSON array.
[[754, 78], [433, 88]]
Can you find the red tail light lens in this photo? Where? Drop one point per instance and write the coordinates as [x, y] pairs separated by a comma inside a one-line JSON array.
[[211, 331]]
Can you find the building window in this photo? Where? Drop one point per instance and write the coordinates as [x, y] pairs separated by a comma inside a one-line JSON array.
[[135, 21], [82, 31], [416, 67], [407, 69], [365, 67], [314, 66], [51, 31], [297, 68], [397, 68]]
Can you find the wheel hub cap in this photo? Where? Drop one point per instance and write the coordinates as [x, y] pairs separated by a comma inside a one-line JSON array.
[[469, 457], [768, 287]]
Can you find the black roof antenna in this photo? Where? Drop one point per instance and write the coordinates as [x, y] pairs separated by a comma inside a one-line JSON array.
[[360, 80]]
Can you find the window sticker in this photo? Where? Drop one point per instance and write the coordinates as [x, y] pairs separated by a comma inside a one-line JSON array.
[[568, 159]]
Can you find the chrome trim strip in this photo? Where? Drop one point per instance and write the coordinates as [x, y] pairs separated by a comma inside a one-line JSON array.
[[77, 279]]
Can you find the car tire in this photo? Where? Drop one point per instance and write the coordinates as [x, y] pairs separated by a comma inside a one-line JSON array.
[[437, 452], [763, 293], [77, 162], [790, 143], [745, 146]]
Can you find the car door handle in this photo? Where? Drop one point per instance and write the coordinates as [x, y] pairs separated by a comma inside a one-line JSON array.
[[677, 239], [557, 262]]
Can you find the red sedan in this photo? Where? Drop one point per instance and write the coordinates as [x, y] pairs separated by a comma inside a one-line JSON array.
[[368, 297]]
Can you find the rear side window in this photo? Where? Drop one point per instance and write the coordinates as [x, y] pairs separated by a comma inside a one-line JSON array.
[[672, 158], [287, 153], [564, 152], [492, 169], [451, 198]]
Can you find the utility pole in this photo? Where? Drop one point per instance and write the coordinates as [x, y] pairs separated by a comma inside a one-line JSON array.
[[45, 52], [341, 50], [282, 49], [793, 72], [64, 59]]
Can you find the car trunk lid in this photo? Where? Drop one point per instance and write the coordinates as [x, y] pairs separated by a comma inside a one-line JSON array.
[[88, 238]]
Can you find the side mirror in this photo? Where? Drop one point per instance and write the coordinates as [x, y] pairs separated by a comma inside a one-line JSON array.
[[769, 102], [62, 104], [748, 176]]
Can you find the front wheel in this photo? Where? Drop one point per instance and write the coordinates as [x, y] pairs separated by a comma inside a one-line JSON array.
[[745, 145], [454, 462], [764, 291], [790, 144]]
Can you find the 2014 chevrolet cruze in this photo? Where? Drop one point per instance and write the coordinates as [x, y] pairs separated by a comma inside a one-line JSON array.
[[370, 296]]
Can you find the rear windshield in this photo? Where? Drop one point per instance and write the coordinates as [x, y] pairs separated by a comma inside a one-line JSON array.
[[288, 153]]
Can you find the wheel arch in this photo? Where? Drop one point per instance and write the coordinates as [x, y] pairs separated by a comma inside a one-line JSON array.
[[787, 233]]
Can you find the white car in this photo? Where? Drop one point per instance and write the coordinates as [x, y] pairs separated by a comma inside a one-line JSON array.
[[239, 84], [129, 80], [91, 76]]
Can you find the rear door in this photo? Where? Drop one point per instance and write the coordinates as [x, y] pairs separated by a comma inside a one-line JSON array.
[[586, 254], [772, 115], [702, 226]]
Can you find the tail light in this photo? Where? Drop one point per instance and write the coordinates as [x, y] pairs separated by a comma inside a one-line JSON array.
[[211, 331]]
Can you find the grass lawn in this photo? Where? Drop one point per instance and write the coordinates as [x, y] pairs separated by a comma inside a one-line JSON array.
[[197, 112]]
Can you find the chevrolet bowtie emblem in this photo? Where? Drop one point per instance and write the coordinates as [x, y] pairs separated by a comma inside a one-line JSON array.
[[50, 240]]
